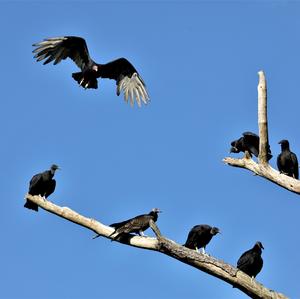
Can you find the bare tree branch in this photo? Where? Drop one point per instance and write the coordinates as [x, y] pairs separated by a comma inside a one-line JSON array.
[[262, 168], [266, 171], [262, 118], [205, 263]]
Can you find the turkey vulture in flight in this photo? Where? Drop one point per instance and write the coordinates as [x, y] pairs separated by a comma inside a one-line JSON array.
[[41, 184], [287, 162], [199, 236], [250, 261], [127, 78], [249, 142], [136, 225]]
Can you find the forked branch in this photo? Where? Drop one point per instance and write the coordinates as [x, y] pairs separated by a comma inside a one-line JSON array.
[[166, 246], [262, 168]]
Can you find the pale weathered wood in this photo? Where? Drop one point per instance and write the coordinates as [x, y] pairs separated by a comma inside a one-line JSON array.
[[214, 267], [197, 260], [262, 118], [90, 223], [262, 168], [267, 172]]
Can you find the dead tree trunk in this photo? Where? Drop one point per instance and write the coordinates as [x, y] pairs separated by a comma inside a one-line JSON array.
[[205, 263], [262, 168]]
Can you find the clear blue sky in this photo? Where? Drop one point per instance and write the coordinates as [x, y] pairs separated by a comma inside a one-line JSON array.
[[200, 62]]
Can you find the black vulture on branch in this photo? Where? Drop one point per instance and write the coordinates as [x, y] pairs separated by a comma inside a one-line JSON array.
[[199, 236], [251, 261], [287, 161], [136, 225], [127, 77], [249, 142], [41, 184]]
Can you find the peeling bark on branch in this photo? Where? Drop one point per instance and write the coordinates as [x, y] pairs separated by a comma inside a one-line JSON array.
[[197, 260], [262, 168]]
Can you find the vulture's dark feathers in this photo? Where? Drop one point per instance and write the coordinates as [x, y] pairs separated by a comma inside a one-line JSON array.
[[41, 184], [199, 236], [127, 77], [136, 225], [251, 261], [287, 161], [249, 142]]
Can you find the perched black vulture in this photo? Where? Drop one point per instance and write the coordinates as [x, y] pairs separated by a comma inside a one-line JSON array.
[[250, 261], [287, 161], [249, 142], [199, 236], [127, 78], [137, 224], [41, 184]]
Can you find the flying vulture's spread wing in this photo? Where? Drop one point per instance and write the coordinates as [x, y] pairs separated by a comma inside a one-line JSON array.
[[59, 48], [127, 77], [128, 80]]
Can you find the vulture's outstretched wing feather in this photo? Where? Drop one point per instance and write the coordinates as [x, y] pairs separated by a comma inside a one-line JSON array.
[[127, 77], [128, 80], [59, 48]]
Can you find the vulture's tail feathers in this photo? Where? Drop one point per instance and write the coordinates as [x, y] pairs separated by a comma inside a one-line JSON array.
[[31, 205], [85, 80]]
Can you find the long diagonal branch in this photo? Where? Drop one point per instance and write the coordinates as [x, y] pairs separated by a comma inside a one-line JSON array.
[[163, 245], [262, 168]]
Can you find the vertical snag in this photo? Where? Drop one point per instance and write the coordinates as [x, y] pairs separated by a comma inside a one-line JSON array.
[[262, 118]]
